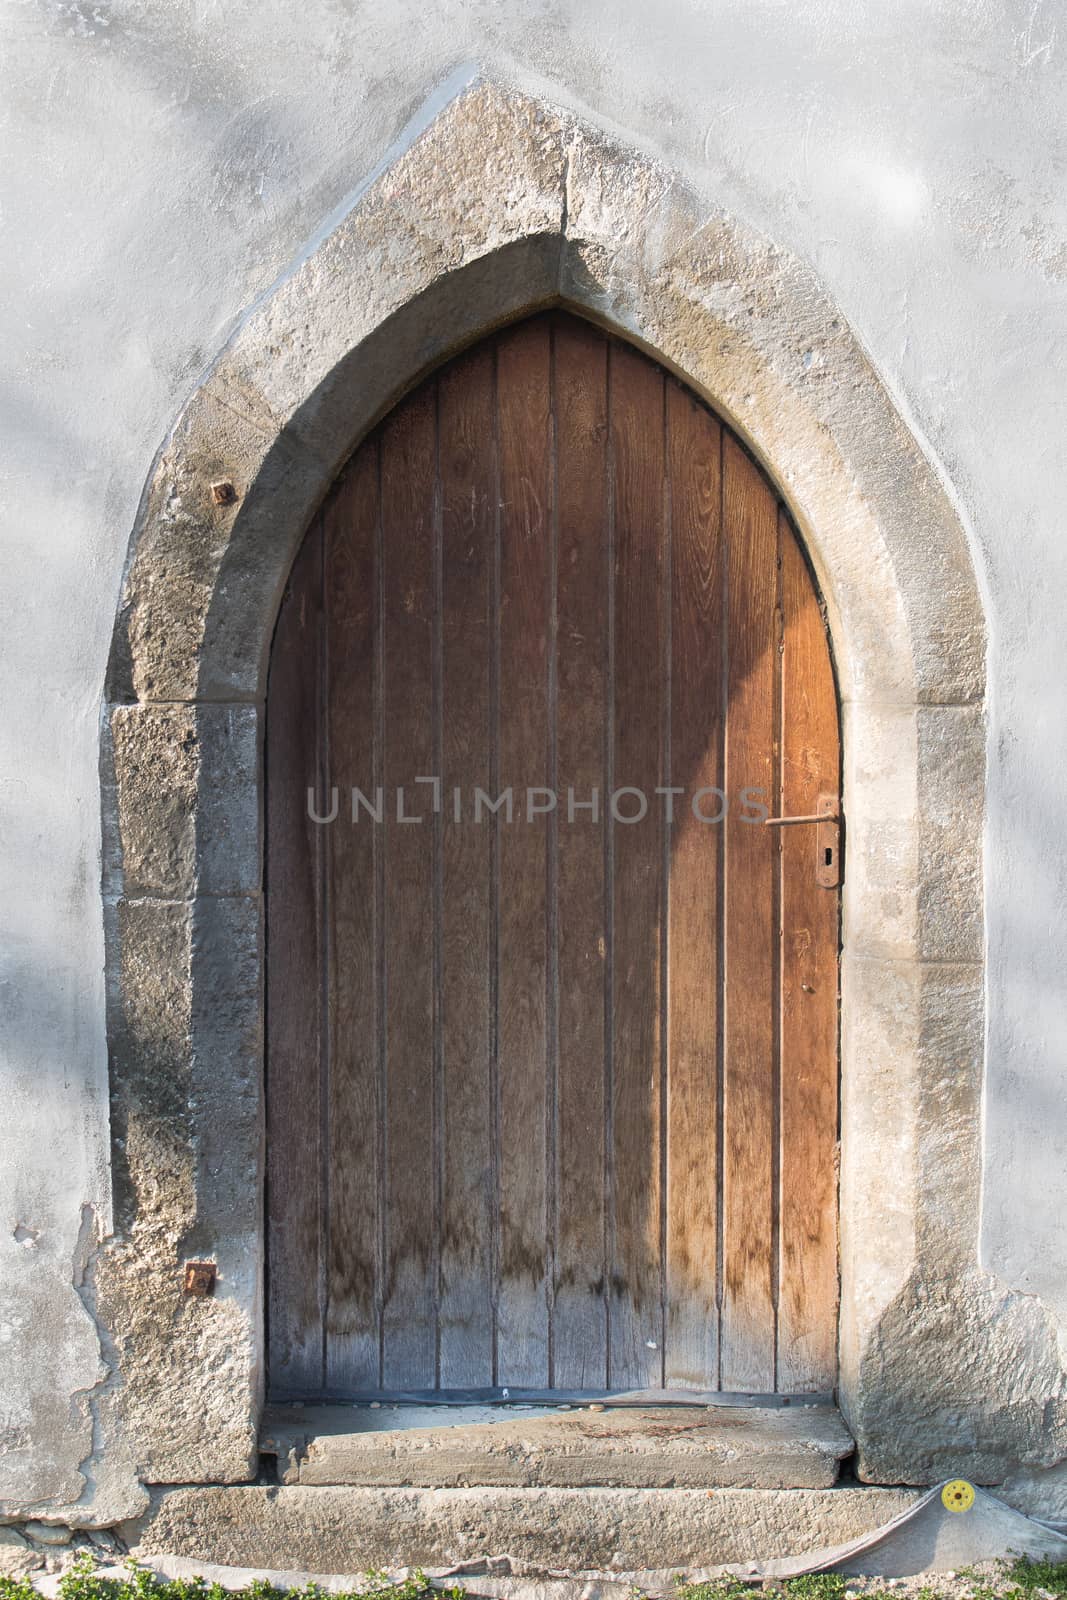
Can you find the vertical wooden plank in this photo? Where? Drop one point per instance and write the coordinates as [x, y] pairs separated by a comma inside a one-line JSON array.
[[293, 1008], [691, 1355], [467, 468], [522, 1298], [350, 544], [808, 1291], [580, 1298], [750, 1035], [408, 525], [636, 424]]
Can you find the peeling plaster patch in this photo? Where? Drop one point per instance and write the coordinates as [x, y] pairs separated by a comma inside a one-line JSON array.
[[85, 1244], [63, 1421], [47, 1427], [88, 1242], [108, 1470]]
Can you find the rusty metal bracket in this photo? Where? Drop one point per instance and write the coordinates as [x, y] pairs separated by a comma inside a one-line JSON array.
[[199, 1278]]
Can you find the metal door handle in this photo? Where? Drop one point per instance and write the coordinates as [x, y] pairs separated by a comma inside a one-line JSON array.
[[827, 804], [827, 819]]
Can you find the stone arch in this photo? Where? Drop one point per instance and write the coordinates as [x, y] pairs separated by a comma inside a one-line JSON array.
[[501, 206]]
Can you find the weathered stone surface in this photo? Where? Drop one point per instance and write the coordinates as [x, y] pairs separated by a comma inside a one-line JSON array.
[[17, 1555], [955, 1375], [58, 1463], [486, 174], [1038, 1492], [168, 646], [952, 764], [186, 814], [348, 1529], [700, 1447], [961, 1378], [880, 912], [914, 1034], [47, 1532], [186, 1066]]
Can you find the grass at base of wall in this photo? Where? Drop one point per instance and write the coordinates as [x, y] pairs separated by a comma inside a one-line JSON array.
[[1022, 1579], [84, 1582]]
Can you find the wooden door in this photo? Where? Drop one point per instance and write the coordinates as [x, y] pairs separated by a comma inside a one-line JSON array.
[[552, 1092]]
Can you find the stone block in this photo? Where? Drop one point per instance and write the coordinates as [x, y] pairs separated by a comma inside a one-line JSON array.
[[880, 899], [631, 1447], [174, 638], [350, 1529], [17, 1555], [186, 800], [945, 1371], [960, 1378], [951, 798], [186, 1074], [1040, 1492]]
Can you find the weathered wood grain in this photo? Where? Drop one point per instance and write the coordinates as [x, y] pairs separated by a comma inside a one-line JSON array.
[[637, 455], [808, 1274], [751, 945], [296, 1287], [525, 623], [354, 1104], [697, 722], [580, 1300], [467, 453], [409, 532]]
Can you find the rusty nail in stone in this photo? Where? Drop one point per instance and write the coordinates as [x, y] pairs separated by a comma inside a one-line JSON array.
[[223, 493], [200, 1277]]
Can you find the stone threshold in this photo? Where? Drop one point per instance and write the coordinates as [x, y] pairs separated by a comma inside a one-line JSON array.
[[347, 1530], [553, 1446]]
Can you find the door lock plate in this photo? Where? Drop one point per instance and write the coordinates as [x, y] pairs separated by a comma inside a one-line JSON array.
[[826, 819], [827, 843]]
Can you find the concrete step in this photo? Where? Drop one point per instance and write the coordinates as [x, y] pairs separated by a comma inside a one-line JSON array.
[[347, 1530], [636, 1447]]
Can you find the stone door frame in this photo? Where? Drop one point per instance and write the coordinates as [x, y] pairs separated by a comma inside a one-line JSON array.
[[500, 206]]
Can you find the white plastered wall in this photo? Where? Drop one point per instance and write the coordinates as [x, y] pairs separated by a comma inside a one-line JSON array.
[[166, 164]]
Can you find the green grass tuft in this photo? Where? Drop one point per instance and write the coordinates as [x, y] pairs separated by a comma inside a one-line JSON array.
[[816, 1586], [84, 1582], [1028, 1575], [717, 1589]]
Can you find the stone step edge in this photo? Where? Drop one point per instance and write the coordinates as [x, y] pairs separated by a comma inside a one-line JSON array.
[[351, 1529]]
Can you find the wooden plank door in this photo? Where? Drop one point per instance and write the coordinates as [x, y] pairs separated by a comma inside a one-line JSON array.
[[551, 1014]]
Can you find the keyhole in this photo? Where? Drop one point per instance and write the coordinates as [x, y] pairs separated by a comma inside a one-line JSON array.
[[829, 855]]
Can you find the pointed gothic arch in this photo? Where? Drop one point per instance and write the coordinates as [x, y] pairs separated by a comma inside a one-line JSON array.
[[442, 247]]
